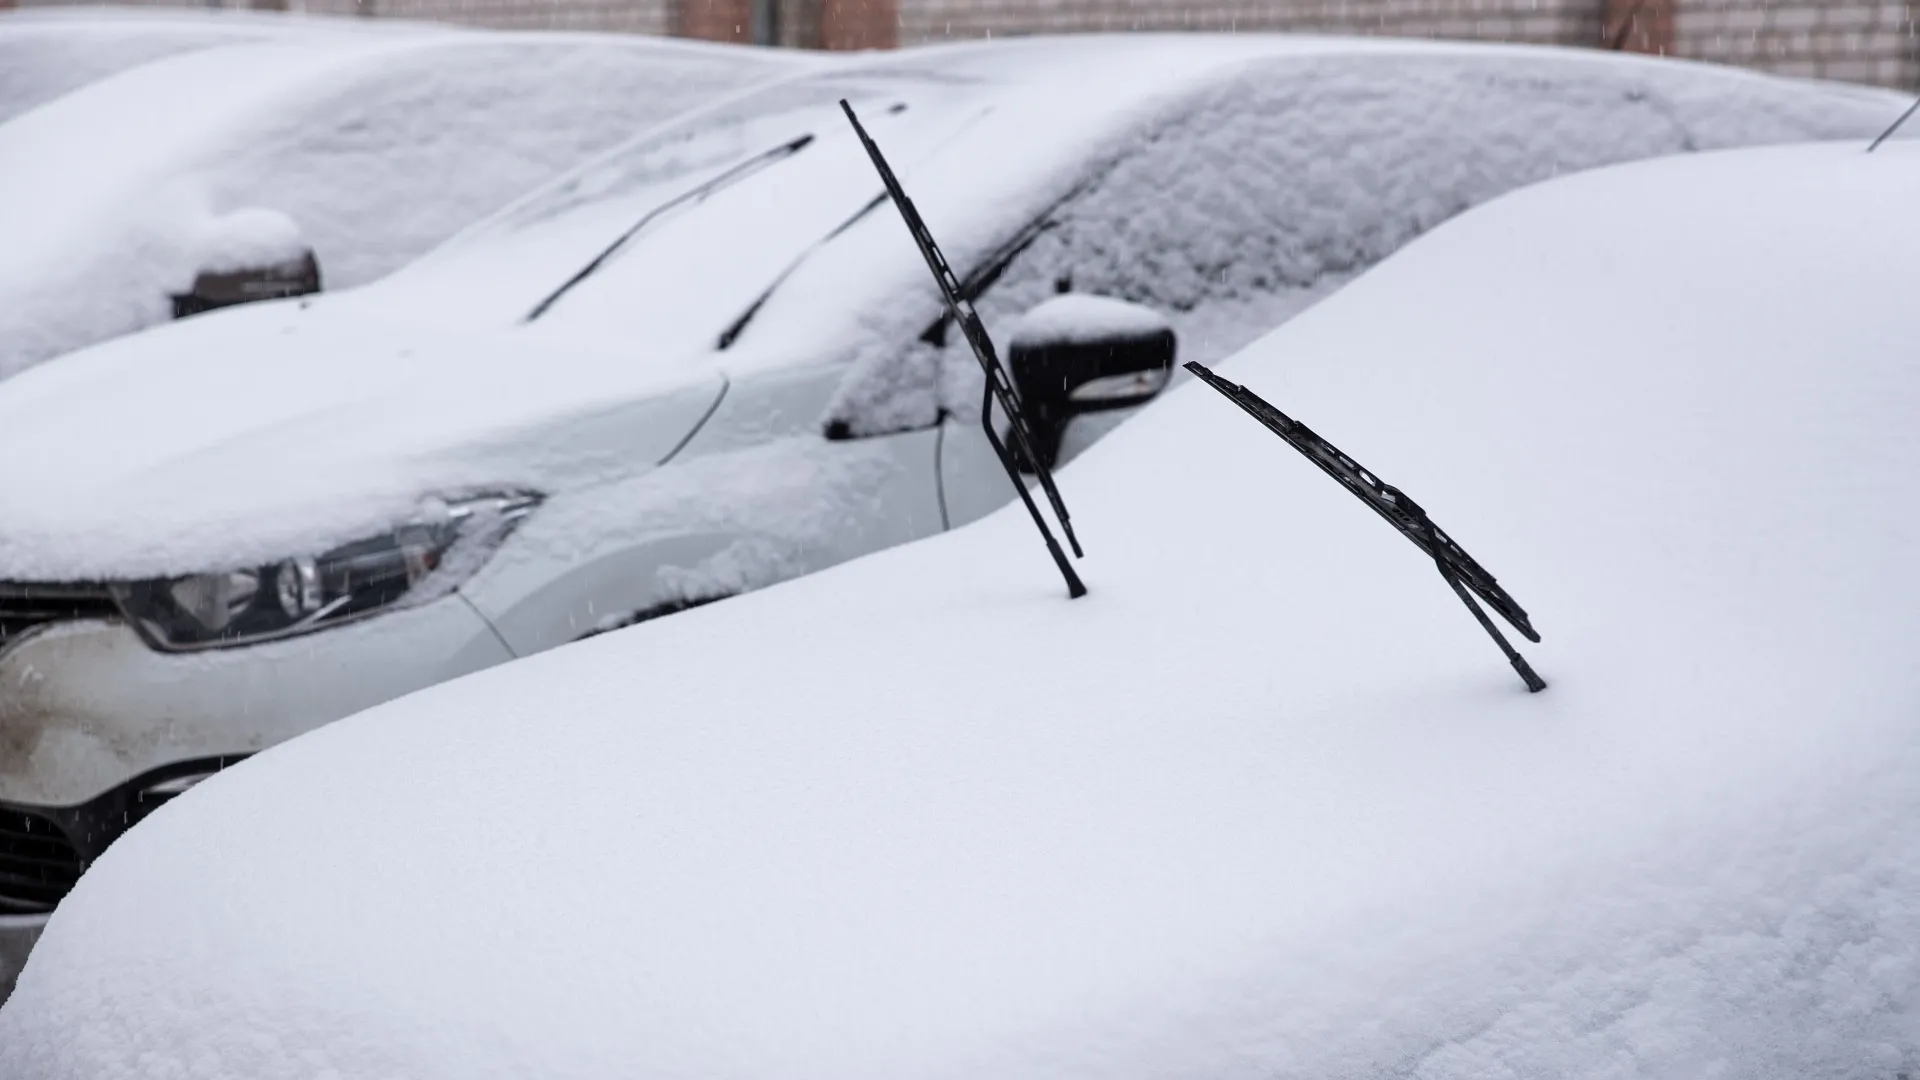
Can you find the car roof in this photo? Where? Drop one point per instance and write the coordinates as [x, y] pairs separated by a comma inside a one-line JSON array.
[[1265, 802], [341, 131]]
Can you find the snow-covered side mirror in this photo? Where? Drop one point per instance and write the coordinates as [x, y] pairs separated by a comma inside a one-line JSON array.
[[1077, 353], [212, 289]]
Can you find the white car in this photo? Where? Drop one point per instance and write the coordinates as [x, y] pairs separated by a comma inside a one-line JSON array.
[[247, 524], [322, 153], [1266, 803]]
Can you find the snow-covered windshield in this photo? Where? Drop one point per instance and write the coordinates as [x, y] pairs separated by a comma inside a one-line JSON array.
[[770, 174]]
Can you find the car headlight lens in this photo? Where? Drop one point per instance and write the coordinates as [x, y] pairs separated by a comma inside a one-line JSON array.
[[418, 561]]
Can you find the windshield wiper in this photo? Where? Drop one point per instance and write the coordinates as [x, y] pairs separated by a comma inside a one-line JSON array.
[[732, 176], [732, 333], [1897, 125], [1456, 566], [999, 387]]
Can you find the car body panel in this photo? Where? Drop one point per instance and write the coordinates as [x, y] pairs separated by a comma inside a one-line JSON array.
[[974, 484], [86, 705], [17, 935], [706, 528], [295, 429]]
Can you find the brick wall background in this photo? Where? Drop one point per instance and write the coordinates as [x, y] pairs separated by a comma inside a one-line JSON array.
[[1547, 21], [1858, 40], [1870, 41]]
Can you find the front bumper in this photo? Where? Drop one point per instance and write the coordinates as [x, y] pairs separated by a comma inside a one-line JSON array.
[[90, 716], [86, 706], [17, 935]]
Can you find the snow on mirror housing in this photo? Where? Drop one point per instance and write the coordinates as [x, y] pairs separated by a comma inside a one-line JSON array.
[[421, 560], [213, 289], [1076, 353]]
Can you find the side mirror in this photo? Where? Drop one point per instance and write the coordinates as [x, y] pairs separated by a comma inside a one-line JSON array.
[[212, 289], [1077, 354]]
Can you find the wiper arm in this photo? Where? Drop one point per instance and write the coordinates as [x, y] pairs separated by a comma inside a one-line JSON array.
[[1459, 569], [726, 179], [999, 387]]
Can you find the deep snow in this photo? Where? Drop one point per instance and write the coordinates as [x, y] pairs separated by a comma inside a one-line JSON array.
[[1081, 318], [1226, 181], [376, 146], [1265, 804], [1240, 203]]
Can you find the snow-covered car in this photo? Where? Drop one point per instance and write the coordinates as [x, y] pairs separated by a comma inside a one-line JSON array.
[[214, 174], [46, 52], [710, 362], [1265, 803]]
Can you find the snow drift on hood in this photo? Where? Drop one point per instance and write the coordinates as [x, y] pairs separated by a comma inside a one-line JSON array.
[[274, 430], [1265, 804]]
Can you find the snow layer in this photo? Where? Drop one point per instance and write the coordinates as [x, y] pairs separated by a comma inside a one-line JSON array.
[[286, 433], [1076, 319], [290, 426], [1257, 192], [1154, 161], [1265, 804], [44, 54], [376, 146]]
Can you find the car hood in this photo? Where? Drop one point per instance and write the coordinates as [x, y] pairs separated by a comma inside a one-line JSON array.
[[273, 429], [1265, 803]]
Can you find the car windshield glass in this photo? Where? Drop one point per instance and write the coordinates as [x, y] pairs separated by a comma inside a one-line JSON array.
[[686, 226]]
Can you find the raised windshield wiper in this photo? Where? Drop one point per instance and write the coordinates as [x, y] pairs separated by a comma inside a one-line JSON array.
[[732, 176], [1405, 515], [999, 387]]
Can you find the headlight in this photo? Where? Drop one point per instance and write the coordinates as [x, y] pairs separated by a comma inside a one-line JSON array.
[[418, 561]]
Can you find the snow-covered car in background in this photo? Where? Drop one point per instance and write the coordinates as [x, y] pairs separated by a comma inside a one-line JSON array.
[[213, 174], [1266, 803], [709, 362], [46, 52]]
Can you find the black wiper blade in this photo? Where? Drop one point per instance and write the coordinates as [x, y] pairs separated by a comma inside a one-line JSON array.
[[999, 387], [732, 176], [1896, 126], [1467, 577], [732, 333], [989, 270]]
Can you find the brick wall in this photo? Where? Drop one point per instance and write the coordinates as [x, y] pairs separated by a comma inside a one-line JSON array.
[[1858, 40], [632, 16], [717, 20], [1869, 41], [1547, 21], [859, 24], [1637, 26]]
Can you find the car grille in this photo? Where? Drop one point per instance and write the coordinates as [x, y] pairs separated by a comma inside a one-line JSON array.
[[25, 607], [38, 864]]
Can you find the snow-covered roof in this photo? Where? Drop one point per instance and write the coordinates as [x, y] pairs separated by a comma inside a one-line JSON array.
[[45, 52], [378, 146], [1266, 803]]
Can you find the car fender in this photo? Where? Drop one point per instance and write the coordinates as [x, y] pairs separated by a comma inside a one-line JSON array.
[[704, 528]]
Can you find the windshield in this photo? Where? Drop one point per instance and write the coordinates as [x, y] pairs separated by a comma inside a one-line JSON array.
[[676, 234]]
